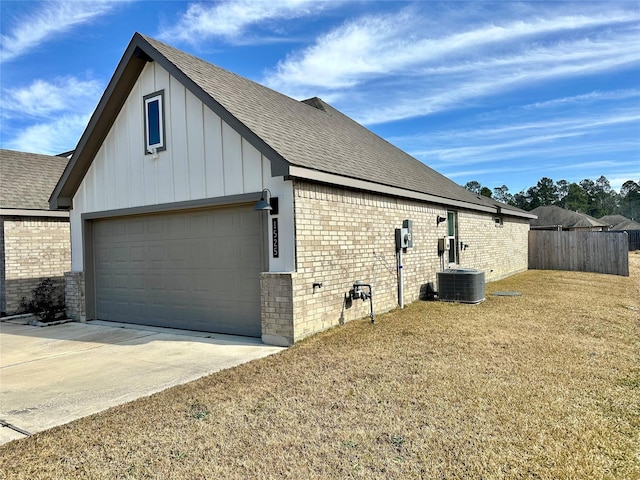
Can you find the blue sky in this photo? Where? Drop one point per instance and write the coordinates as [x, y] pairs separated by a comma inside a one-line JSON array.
[[503, 93]]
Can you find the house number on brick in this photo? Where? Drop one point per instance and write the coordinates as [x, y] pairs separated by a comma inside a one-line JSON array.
[[276, 247]]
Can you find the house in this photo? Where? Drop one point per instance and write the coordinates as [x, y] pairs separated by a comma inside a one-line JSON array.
[[34, 240], [161, 191], [551, 217], [619, 223]]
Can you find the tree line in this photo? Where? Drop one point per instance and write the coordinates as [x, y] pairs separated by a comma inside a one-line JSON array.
[[595, 198]]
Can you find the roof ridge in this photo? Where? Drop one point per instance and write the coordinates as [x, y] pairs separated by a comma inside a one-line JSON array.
[[315, 102], [327, 140], [283, 129]]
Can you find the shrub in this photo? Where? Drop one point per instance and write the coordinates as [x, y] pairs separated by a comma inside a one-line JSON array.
[[47, 302]]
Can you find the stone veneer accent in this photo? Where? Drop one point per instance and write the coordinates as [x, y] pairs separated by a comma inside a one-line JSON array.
[[344, 235], [74, 293], [31, 249]]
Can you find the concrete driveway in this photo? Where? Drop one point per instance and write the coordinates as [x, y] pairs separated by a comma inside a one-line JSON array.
[[53, 375]]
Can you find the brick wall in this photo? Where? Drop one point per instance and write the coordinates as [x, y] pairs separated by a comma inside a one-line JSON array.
[[34, 248], [277, 308], [74, 293], [3, 292], [343, 236], [498, 250]]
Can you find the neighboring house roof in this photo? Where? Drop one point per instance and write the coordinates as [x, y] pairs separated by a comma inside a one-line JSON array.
[[625, 226], [620, 223], [27, 180], [552, 215], [308, 139], [613, 219]]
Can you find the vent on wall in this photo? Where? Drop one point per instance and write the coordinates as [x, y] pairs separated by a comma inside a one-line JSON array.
[[461, 285]]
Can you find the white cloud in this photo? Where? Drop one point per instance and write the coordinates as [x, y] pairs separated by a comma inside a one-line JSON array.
[[50, 137], [595, 96], [507, 127], [399, 53], [444, 88], [46, 20], [56, 112], [43, 98], [511, 139], [621, 177], [396, 43], [346, 56], [232, 19]]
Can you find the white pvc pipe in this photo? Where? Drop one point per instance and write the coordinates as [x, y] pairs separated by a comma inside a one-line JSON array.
[[400, 280]]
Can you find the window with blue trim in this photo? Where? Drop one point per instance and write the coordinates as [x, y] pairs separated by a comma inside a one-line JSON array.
[[154, 131]]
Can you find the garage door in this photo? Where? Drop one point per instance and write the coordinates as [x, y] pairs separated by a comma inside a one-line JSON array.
[[196, 270]]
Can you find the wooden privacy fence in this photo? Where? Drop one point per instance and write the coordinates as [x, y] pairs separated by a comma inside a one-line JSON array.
[[601, 252], [634, 240]]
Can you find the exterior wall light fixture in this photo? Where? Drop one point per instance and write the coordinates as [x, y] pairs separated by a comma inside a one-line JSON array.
[[267, 202]]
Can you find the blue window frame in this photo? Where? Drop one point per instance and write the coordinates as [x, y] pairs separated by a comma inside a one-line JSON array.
[[154, 131]]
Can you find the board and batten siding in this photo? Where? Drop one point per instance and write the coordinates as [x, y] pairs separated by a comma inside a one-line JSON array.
[[204, 158]]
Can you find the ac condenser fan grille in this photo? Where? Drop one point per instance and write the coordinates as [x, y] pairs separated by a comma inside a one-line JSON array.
[[461, 285]]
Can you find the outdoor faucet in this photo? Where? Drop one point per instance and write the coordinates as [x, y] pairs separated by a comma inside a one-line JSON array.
[[358, 292]]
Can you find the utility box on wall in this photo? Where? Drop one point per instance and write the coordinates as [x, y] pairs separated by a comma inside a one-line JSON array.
[[407, 226], [404, 235], [401, 239], [443, 245]]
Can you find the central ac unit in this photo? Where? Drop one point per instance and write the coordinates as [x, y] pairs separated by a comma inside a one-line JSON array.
[[463, 285]]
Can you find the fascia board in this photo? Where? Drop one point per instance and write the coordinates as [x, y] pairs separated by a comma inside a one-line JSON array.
[[513, 213], [16, 212], [110, 104], [323, 177]]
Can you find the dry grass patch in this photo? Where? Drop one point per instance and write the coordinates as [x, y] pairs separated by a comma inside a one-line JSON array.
[[544, 385]]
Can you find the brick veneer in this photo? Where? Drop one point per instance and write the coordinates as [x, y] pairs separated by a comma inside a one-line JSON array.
[[74, 293], [343, 236], [33, 248], [277, 308], [499, 251]]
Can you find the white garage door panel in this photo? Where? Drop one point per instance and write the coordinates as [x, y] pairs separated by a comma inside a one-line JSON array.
[[193, 270]]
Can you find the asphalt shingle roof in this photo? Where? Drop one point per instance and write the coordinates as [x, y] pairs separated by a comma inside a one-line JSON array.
[[299, 136], [27, 179], [313, 134], [620, 223], [613, 219], [553, 215], [625, 226]]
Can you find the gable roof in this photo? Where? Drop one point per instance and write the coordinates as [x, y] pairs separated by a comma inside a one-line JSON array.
[[308, 139], [551, 215], [27, 179]]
